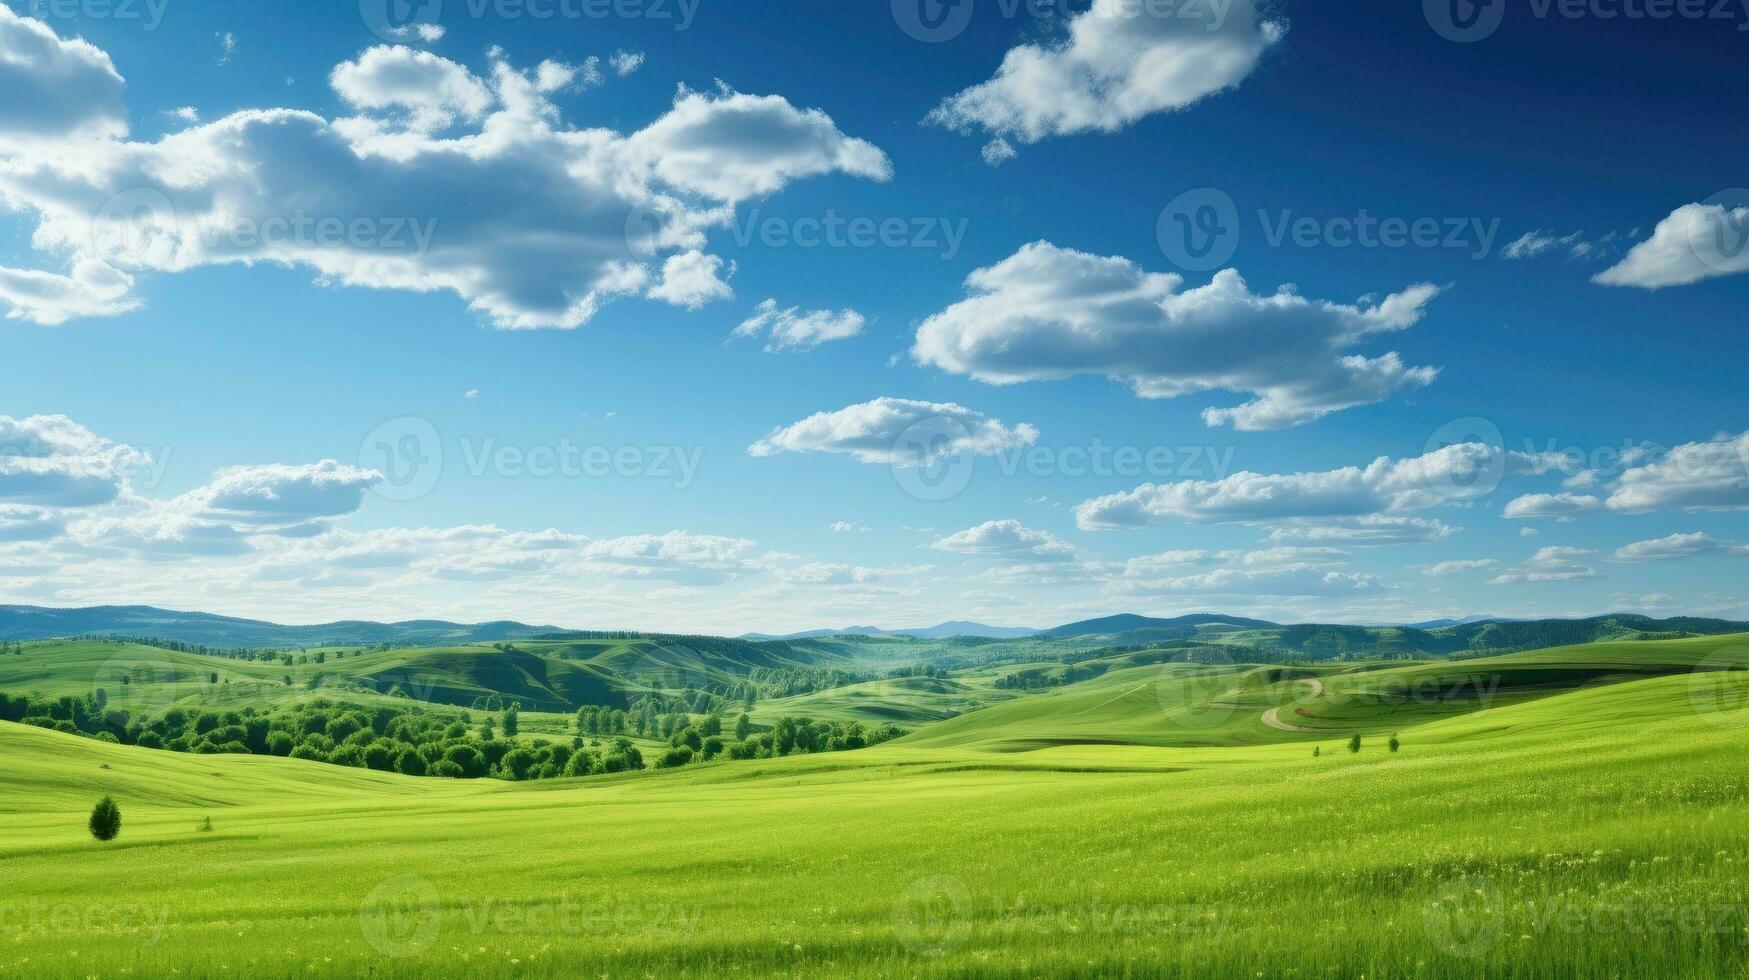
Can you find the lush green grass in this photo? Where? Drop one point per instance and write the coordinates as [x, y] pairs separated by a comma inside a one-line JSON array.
[[1128, 825]]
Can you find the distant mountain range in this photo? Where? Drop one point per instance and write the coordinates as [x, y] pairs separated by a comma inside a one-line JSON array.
[[1234, 633], [938, 632], [205, 629]]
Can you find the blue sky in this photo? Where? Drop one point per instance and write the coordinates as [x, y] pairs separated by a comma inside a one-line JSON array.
[[201, 390]]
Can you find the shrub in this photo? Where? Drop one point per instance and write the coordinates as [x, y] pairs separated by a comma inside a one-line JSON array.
[[1394, 744], [105, 819], [410, 763], [1354, 743], [675, 757]]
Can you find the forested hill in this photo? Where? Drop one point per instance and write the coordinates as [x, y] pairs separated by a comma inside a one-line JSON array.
[[205, 629]]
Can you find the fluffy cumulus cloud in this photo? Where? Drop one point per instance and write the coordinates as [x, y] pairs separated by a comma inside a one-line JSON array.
[[1695, 476], [1696, 241], [678, 556], [52, 461], [56, 89], [1352, 492], [50, 299], [1444, 568], [1050, 313], [1288, 580], [1675, 546], [1008, 540], [792, 329], [1115, 63], [238, 504], [1553, 564], [439, 179], [898, 432], [29, 524], [1552, 505], [1373, 530], [413, 90]]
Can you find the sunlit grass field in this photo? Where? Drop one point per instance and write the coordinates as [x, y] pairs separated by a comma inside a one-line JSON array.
[[1575, 822]]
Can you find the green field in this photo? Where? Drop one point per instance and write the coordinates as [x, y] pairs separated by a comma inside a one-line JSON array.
[[1576, 812]]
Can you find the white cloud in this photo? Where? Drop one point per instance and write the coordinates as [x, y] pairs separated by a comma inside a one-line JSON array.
[[429, 93], [832, 573], [793, 330], [898, 431], [28, 524], [1114, 64], [1048, 313], [1552, 505], [1678, 546], [55, 89], [626, 62], [1534, 243], [227, 46], [1528, 532], [1283, 557], [186, 113], [1552, 564], [1008, 540], [52, 461], [49, 300], [442, 180], [1459, 567], [238, 504], [845, 527], [1156, 565], [1711, 475], [1291, 580], [1695, 476], [1382, 486], [1373, 530], [1697, 241], [678, 556], [693, 279]]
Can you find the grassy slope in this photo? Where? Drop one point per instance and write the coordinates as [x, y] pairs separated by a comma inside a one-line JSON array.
[[1606, 804]]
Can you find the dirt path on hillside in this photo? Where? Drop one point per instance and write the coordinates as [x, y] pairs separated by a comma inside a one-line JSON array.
[[1272, 717]]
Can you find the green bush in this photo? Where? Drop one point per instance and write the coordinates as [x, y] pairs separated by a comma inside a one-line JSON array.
[[105, 820]]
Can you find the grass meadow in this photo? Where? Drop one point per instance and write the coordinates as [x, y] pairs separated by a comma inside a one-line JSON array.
[[1575, 821]]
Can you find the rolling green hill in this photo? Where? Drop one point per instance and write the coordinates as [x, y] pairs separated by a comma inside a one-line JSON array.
[[1584, 821]]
